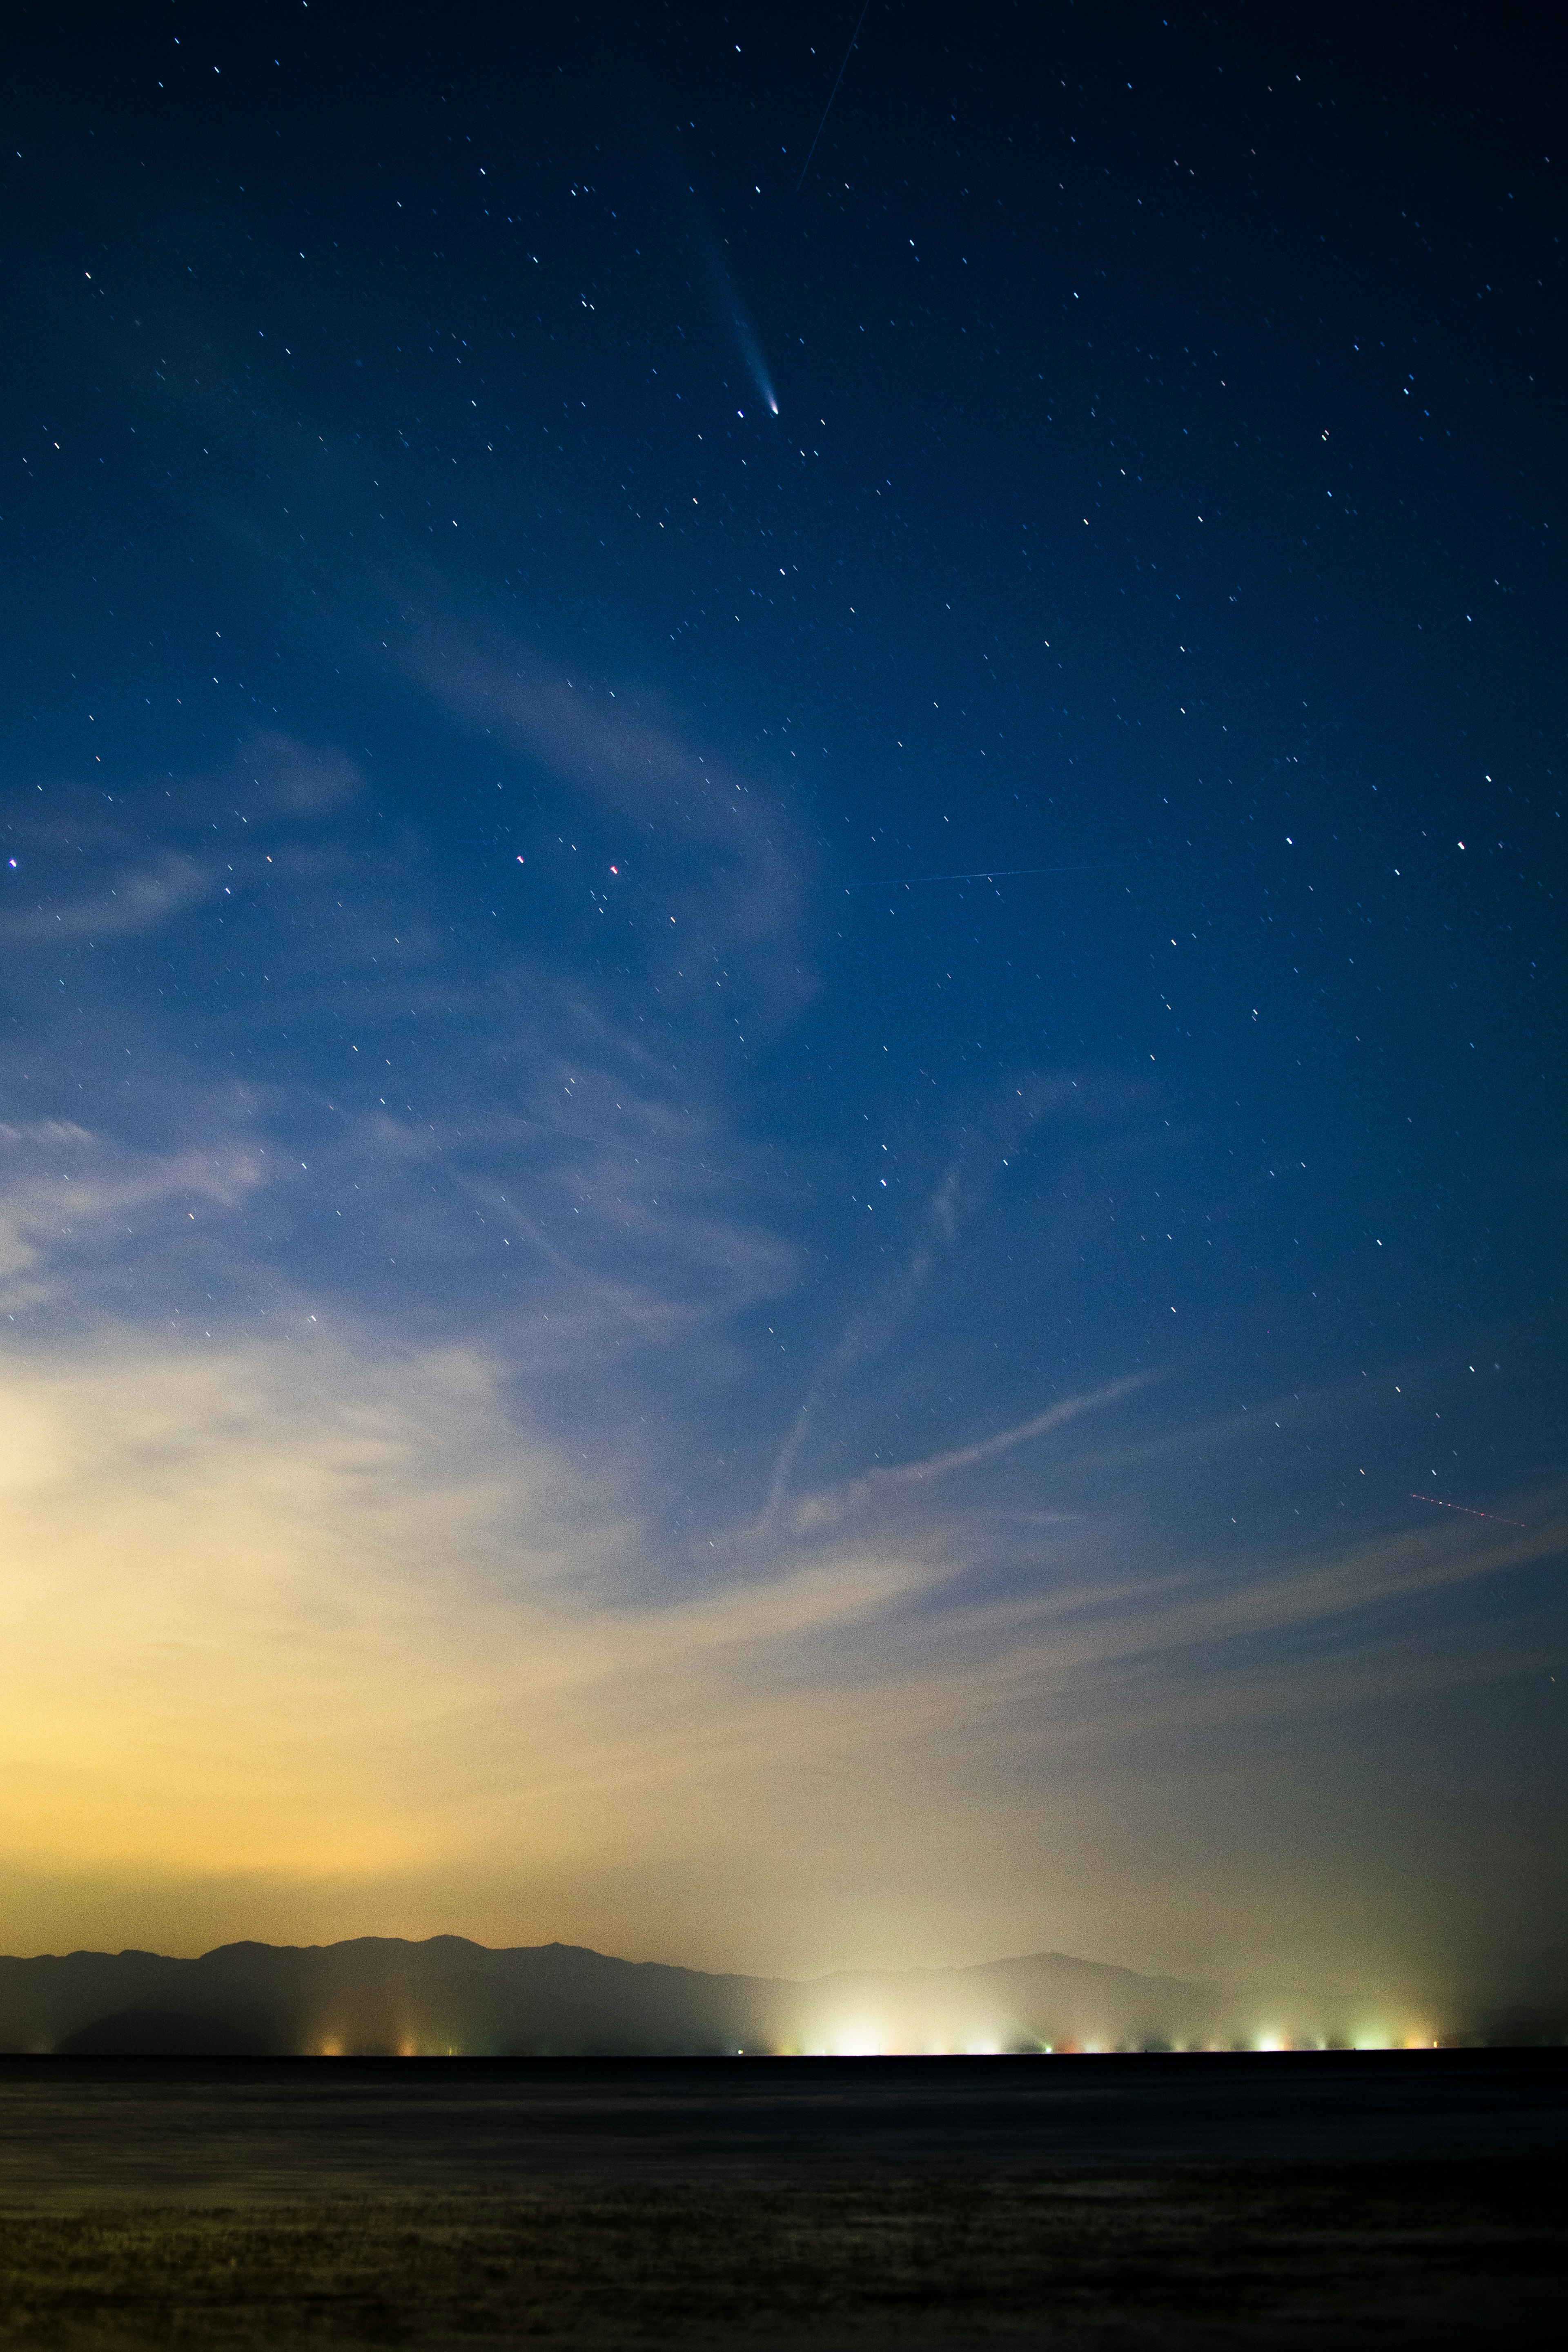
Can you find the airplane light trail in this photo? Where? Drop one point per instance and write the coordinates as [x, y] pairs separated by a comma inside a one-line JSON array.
[[1468, 1509], [992, 874], [827, 109]]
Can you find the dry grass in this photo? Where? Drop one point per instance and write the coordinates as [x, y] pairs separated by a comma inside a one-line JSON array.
[[1270, 2253]]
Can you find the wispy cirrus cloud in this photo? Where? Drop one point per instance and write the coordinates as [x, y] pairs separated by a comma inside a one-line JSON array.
[[593, 1512], [142, 898], [729, 867], [70, 1197], [522, 1142], [89, 865], [434, 1622]]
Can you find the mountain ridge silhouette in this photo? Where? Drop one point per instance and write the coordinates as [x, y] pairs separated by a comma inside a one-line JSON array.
[[443, 1994]]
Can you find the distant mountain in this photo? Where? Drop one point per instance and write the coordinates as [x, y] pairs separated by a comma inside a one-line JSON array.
[[164, 2033], [378, 1995]]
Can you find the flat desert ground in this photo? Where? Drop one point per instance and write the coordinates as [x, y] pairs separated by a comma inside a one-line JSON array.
[[1401, 2199]]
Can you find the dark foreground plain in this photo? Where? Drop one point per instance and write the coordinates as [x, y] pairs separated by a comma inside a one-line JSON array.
[[1397, 2199]]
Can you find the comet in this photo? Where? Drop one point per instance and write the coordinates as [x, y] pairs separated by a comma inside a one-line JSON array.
[[751, 349], [745, 332]]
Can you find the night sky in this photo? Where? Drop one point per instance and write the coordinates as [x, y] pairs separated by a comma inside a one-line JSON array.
[[781, 956]]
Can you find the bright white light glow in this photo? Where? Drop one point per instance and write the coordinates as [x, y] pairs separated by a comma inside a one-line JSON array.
[[859, 2039]]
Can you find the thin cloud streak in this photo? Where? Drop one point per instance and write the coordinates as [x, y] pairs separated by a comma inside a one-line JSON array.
[[985, 1449]]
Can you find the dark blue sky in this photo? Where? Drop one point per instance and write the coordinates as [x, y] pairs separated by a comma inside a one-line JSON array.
[[827, 1147]]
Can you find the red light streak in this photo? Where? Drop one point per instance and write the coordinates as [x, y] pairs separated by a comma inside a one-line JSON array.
[[1468, 1509]]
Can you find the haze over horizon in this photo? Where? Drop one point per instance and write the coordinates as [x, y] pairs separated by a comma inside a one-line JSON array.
[[448, 1997], [781, 1141]]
